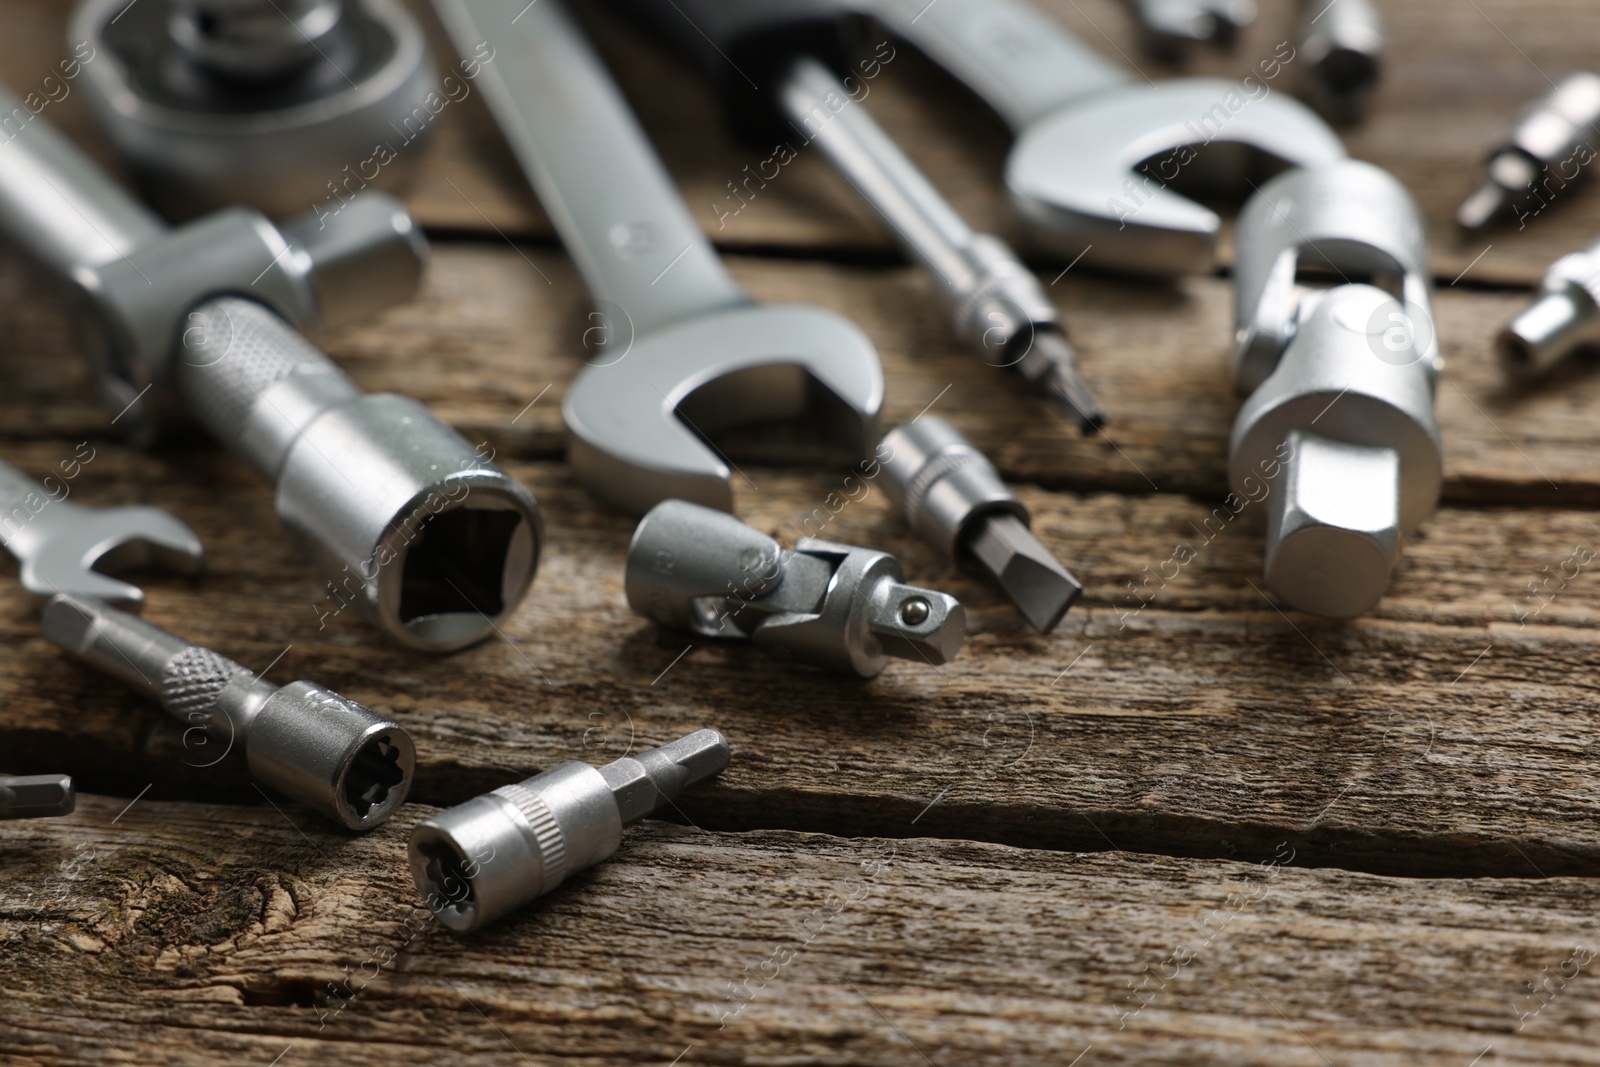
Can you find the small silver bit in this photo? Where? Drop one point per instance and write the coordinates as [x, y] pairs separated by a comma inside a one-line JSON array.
[[952, 495], [997, 304], [311, 744], [37, 796], [1171, 27], [64, 547], [834, 606], [1564, 318], [1342, 46], [478, 861], [1561, 130]]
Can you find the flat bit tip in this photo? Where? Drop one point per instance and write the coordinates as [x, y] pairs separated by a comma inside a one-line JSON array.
[[37, 796], [1055, 372], [1037, 583]]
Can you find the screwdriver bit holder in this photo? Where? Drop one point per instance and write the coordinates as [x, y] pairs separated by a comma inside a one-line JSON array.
[[1563, 319], [481, 860], [1339, 423], [952, 495], [37, 796], [435, 543], [1550, 146], [269, 103], [310, 744], [834, 606]]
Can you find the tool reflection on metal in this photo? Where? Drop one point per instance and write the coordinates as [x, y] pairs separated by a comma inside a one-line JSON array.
[[310, 744], [952, 495], [481, 860], [834, 606]]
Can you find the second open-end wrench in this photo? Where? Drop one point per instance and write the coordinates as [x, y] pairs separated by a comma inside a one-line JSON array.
[[433, 542], [688, 352], [65, 547], [1095, 152], [797, 54]]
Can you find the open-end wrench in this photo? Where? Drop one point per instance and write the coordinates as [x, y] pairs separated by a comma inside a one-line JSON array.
[[1095, 152], [63, 547], [688, 352], [433, 542], [1172, 27], [798, 55]]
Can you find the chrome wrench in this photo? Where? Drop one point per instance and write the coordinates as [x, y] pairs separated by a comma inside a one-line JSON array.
[[687, 351]]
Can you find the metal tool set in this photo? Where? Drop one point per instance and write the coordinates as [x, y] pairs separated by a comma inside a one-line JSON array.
[[232, 113]]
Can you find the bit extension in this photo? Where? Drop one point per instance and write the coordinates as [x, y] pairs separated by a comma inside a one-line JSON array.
[[1563, 319], [834, 606], [481, 860], [312, 745], [36, 796], [954, 498], [1550, 146]]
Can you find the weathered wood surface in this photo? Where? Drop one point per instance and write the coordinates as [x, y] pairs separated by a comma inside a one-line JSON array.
[[1064, 811], [1455, 77], [171, 933]]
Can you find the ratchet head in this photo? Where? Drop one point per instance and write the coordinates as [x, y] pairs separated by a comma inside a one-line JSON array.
[[1072, 174], [638, 423], [78, 556]]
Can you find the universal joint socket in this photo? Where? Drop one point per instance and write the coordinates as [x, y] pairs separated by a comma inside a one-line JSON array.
[[278, 104], [481, 860], [952, 495], [1564, 318], [1338, 435], [834, 606], [406, 520], [312, 745], [1550, 146]]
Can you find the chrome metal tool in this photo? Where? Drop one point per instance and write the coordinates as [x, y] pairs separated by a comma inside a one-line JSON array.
[[952, 495], [65, 547], [797, 59], [36, 796], [1551, 145], [1338, 437], [275, 104], [481, 860], [435, 543], [1172, 27], [1563, 319], [687, 352], [834, 606], [1341, 49], [310, 744], [1097, 156]]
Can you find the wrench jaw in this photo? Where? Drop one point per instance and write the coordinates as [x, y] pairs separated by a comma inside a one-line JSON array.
[[80, 558], [637, 425], [1072, 176]]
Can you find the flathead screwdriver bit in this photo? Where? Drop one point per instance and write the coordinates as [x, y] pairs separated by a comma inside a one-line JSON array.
[[481, 860], [309, 743], [36, 796], [953, 496]]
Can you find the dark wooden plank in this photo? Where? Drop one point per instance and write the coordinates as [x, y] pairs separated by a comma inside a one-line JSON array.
[[186, 935]]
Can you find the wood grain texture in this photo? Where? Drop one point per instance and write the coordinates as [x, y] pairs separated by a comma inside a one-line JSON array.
[[188, 934]]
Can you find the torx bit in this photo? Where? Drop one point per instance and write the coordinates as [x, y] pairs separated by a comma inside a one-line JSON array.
[[37, 796], [1560, 130], [1565, 317], [835, 606], [309, 743], [953, 496], [478, 861]]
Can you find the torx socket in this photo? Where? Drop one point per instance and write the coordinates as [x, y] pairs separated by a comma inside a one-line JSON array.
[[953, 496], [481, 860], [309, 743]]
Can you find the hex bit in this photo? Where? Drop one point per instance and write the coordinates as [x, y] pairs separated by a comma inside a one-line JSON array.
[[953, 496], [478, 861], [37, 796], [309, 743], [1562, 130]]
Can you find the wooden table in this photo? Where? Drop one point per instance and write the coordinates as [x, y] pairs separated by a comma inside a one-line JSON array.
[[1204, 831]]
